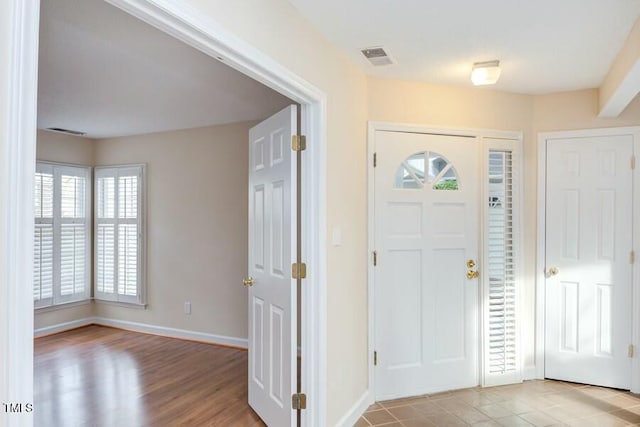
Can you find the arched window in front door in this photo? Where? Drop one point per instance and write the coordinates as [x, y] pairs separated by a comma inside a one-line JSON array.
[[429, 169]]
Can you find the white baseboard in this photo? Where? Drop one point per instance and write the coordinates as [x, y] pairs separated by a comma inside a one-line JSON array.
[[147, 329], [356, 411], [61, 327]]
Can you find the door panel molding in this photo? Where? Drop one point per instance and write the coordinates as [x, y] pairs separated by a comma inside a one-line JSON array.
[[538, 371], [488, 139]]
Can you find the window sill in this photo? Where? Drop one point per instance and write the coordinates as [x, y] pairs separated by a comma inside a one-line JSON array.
[[121, 304], [62, 306]]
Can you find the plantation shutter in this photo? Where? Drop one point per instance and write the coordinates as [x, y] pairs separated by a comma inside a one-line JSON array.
[[501, 354], [73, 234], [43, 236], [61, 235], [119, 234]]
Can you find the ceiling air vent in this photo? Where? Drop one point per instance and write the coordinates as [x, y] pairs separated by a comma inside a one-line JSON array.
[[68, 131], [377, 56]]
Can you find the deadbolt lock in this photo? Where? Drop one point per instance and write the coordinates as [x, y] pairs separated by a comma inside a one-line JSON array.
[[471, 263]]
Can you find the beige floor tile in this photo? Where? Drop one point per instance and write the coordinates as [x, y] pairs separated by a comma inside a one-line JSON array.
[[380, 416], [495, 410], [405, 412], [627, 415], [471, 415], [446, 420], [418, 423], [601, 420], [539, 419], [361, 423], [374, 407], [397, 402], [429, 408], [517, 406], [453, 404], [491, 423], [621, 401], [532, 403], [513, 421]]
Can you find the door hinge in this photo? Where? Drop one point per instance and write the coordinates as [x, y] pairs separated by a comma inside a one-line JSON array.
[[375, 358], [632, 257], [298, 142], [299, 401], [298, 270], [375, 159], [631, 350], [375, 258], [633, 162]]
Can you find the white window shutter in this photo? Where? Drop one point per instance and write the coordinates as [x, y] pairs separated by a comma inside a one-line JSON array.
[[501, 353], [62, 234], [119, 234], [43, 263]]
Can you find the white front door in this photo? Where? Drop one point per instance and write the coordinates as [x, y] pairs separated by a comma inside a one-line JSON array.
[[426, 231], [272, 249], [588, 269]]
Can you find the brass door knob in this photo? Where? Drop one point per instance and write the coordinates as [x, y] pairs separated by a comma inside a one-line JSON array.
[[471, 274], [248, 281]]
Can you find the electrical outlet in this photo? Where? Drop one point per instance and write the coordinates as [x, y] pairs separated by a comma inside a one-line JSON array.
[[187, 308]]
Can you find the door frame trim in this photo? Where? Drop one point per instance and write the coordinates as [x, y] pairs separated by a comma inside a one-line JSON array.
[[186, 24], [540, 281], [372, 128]]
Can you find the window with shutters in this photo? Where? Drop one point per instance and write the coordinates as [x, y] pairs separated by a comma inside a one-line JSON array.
[[62, 257], [502, 363], [119, 234]]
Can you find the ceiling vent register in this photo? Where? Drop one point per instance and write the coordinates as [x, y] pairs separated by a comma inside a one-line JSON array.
[[377, 56]]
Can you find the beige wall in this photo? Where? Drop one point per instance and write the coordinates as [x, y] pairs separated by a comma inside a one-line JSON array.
[[278, 30], [196, 226], [63, 148]]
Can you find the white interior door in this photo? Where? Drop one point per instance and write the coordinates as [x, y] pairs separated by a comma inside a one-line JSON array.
[[272, 249], [588, 246], [426, 230]]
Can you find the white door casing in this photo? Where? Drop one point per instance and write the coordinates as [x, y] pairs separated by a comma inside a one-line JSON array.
[[426, 309], [272, 248], [588, 320]]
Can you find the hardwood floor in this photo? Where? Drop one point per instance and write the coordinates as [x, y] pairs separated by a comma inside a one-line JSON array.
[[97, 376]]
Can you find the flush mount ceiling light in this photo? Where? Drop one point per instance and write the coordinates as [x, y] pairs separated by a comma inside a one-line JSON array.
[[485, 73]]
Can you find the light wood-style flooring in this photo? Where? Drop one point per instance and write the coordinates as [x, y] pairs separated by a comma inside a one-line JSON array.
[[96, 376]]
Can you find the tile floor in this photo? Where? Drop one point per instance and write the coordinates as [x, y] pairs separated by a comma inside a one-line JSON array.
[[532, 403]]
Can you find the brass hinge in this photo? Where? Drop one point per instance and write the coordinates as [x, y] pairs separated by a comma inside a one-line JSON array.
[[298, 270], [298, 142], [632, 257], [375, 358], [375, 159], [299, 401], [633, 162], [631, 350], [375, 258]]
